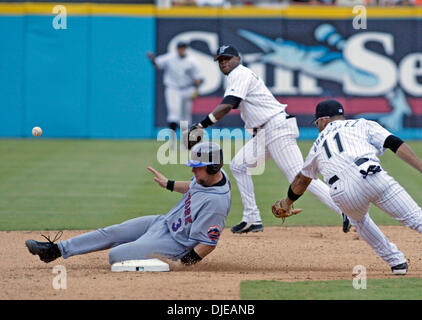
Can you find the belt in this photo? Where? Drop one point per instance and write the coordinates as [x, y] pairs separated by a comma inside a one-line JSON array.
[[358, 162], [333, 179], [255, 130]]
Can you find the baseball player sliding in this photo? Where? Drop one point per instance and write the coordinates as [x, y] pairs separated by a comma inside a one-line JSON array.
[[345, 153], [261, 113], [189, 231]]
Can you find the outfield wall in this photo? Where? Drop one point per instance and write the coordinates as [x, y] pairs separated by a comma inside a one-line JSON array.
[[89, 80], [92, 79]]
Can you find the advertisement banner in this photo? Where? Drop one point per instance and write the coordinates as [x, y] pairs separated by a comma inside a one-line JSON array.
[[376, 72]]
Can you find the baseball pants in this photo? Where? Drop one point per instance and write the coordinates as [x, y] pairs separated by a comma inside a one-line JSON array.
[[138, 238], [354, 194], [277, 140], [179, 104]]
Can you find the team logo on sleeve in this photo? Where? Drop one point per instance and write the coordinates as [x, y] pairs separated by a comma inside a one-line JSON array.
[[214, 232]]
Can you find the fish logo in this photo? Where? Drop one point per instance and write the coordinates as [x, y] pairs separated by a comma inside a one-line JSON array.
[[321, 62], [222, 49]]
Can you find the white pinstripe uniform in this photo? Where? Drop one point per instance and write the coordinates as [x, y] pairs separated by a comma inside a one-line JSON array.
[[179, 76], [335, 154], [259, 109]]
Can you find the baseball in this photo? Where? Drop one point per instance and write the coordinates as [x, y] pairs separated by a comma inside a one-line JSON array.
[[36, 131]]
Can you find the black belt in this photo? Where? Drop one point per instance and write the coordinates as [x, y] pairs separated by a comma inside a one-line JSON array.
[[255, 130], [358, 162], [332, 180]]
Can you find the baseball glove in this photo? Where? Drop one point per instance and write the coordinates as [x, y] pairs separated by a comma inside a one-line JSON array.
[[282, 210], [193, 136], [194, 95]]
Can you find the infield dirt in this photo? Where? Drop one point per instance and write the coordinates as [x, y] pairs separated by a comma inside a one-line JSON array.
[[278, 253]]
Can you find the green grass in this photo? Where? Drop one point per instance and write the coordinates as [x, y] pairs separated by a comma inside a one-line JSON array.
[[376, 289], [85, 184]]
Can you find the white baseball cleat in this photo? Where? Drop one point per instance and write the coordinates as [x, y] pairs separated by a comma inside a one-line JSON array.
[[154, 265], [245, 227], [400, 269]]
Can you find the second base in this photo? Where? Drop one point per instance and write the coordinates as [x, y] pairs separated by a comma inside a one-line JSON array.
[[154, 265]]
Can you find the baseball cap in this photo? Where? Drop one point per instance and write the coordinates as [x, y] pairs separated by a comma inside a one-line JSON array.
[[328, 108], [226, 51], [182, 45]]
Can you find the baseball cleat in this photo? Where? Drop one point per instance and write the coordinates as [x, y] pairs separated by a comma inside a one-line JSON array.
[[47, 251], [245, 227], [400, 269], [346, 223]]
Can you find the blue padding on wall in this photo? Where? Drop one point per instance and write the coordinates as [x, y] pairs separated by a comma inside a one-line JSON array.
[[90, 80], [122, 90], [56, 79], [11, 76]]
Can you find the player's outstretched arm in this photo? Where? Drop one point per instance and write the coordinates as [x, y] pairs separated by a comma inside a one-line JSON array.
[[197, 254], [195, 132], [297, 188], [284, 207], [178, 186], [225, 106], [406, 153], [151, 57], [222, 110], [203, 249], [218, 113], [403, 151]]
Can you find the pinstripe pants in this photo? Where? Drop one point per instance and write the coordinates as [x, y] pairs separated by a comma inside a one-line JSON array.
[[276, 140], [354, 194], [179, 104]]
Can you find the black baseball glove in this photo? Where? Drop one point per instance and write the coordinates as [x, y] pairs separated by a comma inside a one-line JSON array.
[[193, 135]]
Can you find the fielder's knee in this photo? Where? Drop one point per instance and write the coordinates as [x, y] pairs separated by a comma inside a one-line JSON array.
[[414, 220], [235, 168]]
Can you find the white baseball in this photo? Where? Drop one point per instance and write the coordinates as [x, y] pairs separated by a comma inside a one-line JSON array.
[[36, 131]]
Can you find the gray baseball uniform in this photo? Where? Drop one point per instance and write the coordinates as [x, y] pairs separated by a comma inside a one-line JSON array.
[[346, 154], [199, 217]]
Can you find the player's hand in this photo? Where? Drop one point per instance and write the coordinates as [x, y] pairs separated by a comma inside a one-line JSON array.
[[150, 55], [194, 95], [159, 177]]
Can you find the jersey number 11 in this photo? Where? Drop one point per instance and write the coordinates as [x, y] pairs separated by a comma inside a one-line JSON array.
[[339, 145]]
